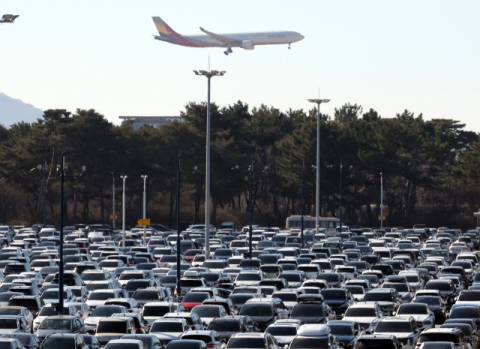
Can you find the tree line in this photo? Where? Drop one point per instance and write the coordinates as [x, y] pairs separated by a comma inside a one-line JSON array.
[[430, 168]]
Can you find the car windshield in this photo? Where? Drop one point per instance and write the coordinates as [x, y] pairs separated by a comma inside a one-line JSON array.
[[441, 286], [130, 276], [315, 310], [257, 310], [239, 298], [52, 294], [464, 312], [338, 295], [438, 337], [106, 311], [378, 297], [147, 295], [56, 324], [122, 346], [195, 297], [282, 330], [396, 285], [310, 342], [361, 312], [341, 330], [286, 297], [469, 296], [412, 278], [207, 311], [156, 311], [58, 343], [428, 300], [101, 296], [329, 277], [225, 326], [248, 277], [92, 276], [374, 344], [246, 343], [438, 345], [10, 311], [394, 326], [214, 264], [8, 323], [355, 289], [167, 327], [413, 309], [112, 327], [50, 311]]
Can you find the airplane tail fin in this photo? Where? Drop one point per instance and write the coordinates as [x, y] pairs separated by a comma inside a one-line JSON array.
[[163, 28], [170, 35]]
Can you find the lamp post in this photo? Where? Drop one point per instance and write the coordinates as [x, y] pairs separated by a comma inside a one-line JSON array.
[[123, 211], [113, 201], [144, 204], [43, 171], [179, 285], [301, 204], [250, 214], [209, 75], [63, 169], [381, 199], [317, 191], [341, 180]]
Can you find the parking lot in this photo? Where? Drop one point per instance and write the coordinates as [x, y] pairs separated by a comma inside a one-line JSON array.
[[267, 288]]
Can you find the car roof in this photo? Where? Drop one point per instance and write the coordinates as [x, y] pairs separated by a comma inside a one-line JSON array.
[[313, 330]]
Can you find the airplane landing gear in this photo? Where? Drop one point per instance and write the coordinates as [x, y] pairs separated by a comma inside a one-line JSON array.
[[226, 53], [229, 50], [289, 46]]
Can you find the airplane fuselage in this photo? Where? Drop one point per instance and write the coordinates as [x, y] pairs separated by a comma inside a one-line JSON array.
[[260, 38]]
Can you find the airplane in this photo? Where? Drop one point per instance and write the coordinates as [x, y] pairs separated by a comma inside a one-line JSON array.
[[8, 18], [247, 41]]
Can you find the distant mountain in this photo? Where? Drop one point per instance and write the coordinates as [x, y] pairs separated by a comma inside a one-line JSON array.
[[14, 110]]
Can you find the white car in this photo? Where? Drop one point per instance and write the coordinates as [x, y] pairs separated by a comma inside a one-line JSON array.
[[169, 329], [48, 310], [50, 295], [366, 314], [458, 247], [422, 314]]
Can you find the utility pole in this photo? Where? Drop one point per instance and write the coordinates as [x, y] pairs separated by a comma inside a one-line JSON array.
[[144, 205], [113, 194], [301, 204], [317, 190], [123, 211], [341, 180], [250, 213], [381, 199], [209, 75]]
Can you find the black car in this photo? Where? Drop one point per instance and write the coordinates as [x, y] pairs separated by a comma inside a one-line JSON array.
[[227, 327], [311, 309], [150, 341], [64, 341], [338, 299], [436, 304], [347, 332]]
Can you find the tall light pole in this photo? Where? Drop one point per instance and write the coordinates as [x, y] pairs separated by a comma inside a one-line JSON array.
[[209, 75], [113, 202], [301, 204], [144, 204], [381, 199], [179, 281], [123, 211], [341, 180], [63, 169], [43, 170], [317, 194]]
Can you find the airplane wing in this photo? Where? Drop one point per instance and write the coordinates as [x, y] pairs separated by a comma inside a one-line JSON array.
[[223, 39]]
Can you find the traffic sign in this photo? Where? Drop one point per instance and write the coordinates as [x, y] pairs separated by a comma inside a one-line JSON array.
[[144, 222], [113, 216], [381, 218]]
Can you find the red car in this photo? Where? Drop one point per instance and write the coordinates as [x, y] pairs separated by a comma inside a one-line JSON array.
[[190, 254], [191, 299]]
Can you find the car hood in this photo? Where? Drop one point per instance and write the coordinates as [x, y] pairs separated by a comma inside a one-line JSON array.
[[262, 319], [106, 337], [397, 334], [95, 303], [334, 302], [9, 330], [44, 333], [420, 318], [284, 339], [360, 319], [93, 320], [167, 336]]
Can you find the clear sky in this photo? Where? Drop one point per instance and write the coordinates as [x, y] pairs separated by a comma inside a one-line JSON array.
[[392, 55]]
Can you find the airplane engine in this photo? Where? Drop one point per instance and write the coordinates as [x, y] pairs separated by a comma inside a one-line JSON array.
[[247, 45]]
